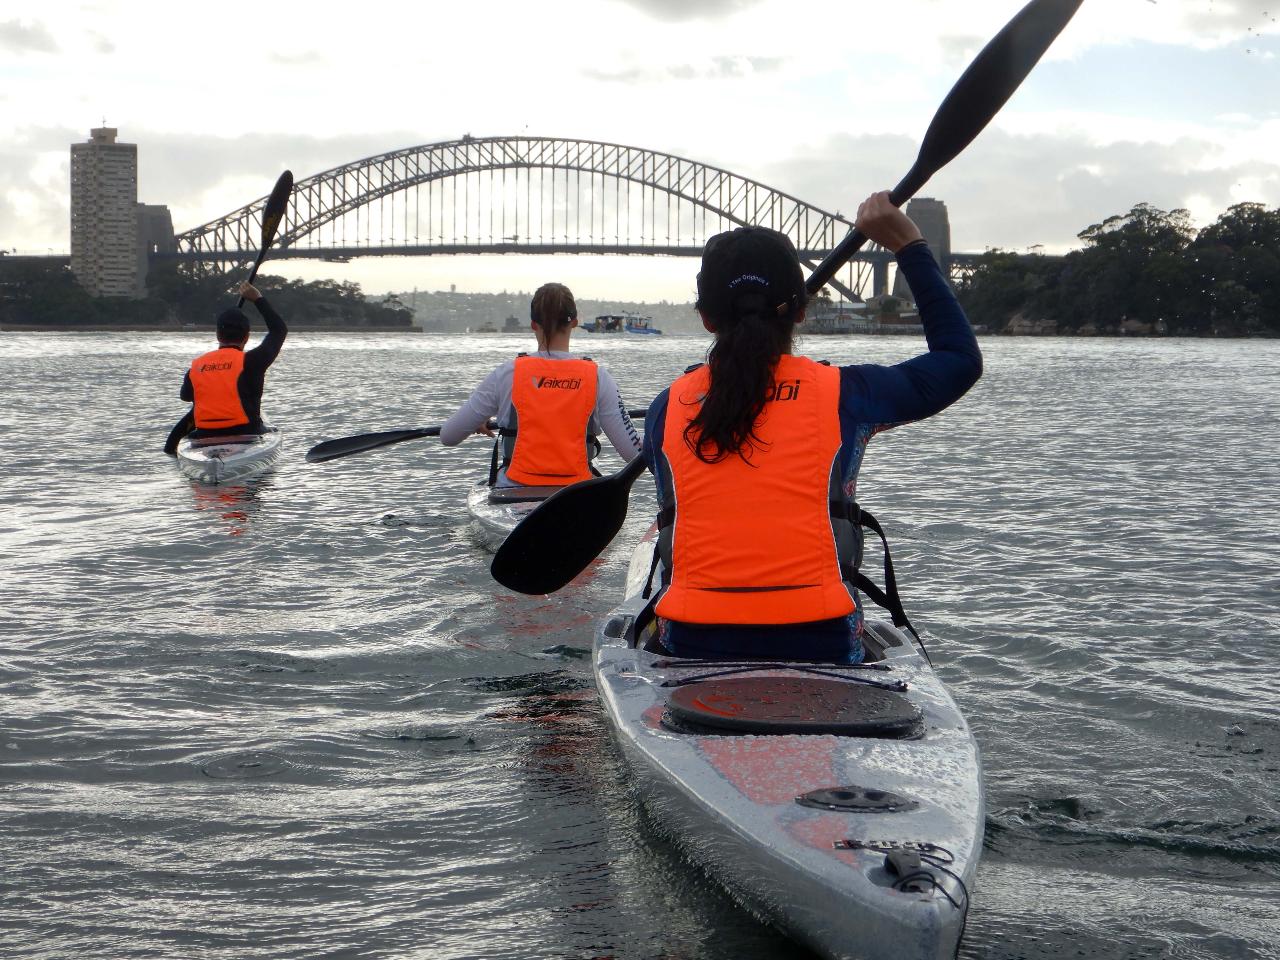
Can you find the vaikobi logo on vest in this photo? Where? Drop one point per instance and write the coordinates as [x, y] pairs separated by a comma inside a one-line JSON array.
[[789, 390], [553, 383]]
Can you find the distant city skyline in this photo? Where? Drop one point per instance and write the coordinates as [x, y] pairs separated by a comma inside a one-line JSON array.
[[1171, 104]]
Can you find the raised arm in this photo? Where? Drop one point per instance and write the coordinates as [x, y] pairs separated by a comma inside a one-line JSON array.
[[265, 353], [930, 382]]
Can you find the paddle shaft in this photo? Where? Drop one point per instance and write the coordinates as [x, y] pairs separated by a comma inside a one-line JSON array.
[[186, 423], [362, 442], [253, 273]]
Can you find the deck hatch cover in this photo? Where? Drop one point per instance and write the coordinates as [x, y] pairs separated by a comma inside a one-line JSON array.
[[794, 705], [855, 799]]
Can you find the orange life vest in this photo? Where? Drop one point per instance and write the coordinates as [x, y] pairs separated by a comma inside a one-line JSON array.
[[755, 542], [214, 379], [553, 401]]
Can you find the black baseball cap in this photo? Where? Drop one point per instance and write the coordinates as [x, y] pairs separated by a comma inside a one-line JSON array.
[[233, 325]]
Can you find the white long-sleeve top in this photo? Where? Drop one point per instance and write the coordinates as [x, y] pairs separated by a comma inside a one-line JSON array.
[[492, 398]]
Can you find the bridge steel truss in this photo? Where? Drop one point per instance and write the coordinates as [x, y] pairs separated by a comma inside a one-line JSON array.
[[525, 195]]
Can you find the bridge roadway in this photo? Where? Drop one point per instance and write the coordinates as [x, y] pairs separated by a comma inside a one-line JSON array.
[[956, 263]]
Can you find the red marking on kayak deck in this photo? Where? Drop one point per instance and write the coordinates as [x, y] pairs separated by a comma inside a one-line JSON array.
[[774, 769], [822, 832], [720, 705]]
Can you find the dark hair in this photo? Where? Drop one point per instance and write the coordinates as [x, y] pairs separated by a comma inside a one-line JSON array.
[[751, 289], [233, 326], [552, 307]]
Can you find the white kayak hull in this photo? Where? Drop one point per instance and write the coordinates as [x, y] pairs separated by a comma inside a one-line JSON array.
[[230, 459], [729, 801], [496, 510]]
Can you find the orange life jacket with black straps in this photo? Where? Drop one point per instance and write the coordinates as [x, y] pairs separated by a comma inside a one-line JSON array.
[[214, 380], [553, 401], [770, 540]]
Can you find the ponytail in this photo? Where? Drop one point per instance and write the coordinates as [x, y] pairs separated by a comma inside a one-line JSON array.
[[751, 290]]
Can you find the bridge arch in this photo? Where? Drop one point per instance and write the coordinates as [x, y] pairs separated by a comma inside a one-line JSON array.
[[648, 202]]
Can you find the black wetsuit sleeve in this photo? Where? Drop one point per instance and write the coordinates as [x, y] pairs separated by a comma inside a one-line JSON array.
[[187, 393], [256, 361], [264, 354]]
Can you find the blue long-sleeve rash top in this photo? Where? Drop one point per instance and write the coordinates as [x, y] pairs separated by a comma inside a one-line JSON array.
[[873, 397]]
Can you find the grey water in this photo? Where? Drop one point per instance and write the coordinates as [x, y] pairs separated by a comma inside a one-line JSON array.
[[296, 718]]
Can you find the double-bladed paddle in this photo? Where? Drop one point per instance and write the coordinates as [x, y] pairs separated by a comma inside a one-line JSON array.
[[346, 446], [555, 542], [272, 214]]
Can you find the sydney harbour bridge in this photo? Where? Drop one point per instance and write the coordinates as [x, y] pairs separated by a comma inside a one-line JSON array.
[[527, 195]]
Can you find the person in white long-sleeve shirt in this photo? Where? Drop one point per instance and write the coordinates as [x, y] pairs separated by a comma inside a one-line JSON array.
[[550, 405]]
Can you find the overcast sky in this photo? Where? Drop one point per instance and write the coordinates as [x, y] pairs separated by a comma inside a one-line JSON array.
[[1172, 102]]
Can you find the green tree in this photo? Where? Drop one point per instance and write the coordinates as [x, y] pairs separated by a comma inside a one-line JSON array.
[[1004, 284]]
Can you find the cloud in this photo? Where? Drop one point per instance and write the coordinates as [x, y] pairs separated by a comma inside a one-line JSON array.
[[1247, 15], [308, 58], [715, 68], [34, 200], [1014, 191], [681, 10], [101, 44], [17, 37]]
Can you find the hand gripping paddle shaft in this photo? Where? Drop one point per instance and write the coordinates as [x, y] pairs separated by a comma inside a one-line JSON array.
[[555, 542]]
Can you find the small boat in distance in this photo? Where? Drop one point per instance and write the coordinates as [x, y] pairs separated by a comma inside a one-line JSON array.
[[642, 325], [622, 323]]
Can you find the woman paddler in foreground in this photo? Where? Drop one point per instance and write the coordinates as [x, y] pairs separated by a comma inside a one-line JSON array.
[[550, 405], [756, 453]]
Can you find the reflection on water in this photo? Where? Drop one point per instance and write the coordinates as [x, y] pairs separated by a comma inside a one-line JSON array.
[[234, 503], [304, 697]]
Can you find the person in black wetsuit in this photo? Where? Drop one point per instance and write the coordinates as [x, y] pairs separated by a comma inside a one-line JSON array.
[[226, 384]]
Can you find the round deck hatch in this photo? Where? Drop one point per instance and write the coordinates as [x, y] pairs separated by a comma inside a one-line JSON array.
[[790, 705], [854, 799]]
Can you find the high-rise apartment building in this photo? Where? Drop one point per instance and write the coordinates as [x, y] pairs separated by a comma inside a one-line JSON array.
[[104, 215]]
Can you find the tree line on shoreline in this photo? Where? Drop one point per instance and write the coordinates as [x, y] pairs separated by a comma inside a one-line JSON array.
[[48, 296], [1148, 271]]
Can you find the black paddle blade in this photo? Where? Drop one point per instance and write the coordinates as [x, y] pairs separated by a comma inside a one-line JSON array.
[[975, 99], [345, 446], [988, 84], [272, 214], [274, 210], [568, 530], [180, 430]]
